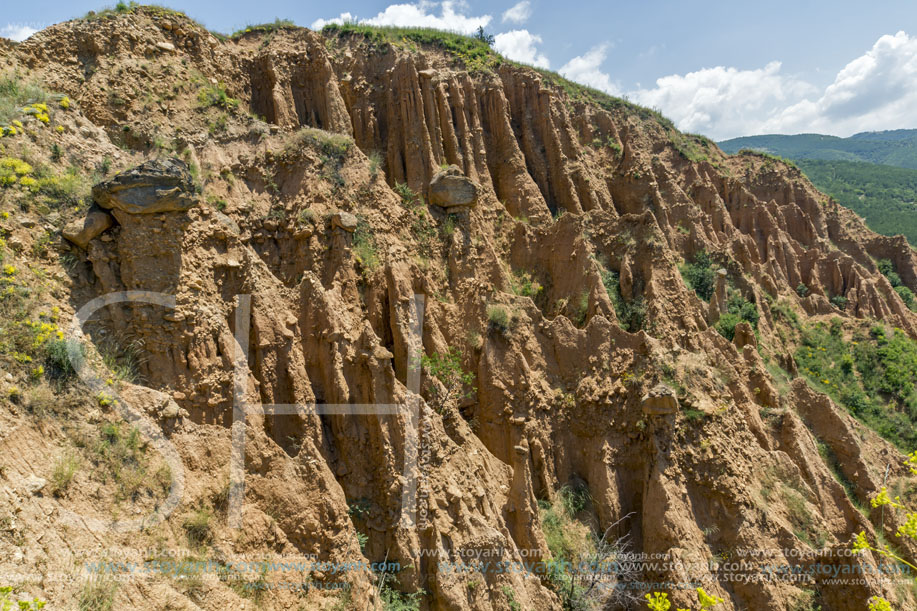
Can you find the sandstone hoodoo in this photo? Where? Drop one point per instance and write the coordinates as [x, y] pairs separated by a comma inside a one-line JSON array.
[[379, 297], [151, 187]]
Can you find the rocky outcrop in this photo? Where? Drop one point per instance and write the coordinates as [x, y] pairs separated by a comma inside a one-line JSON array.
[[345, 221], [449, 188], [659, 401], [150, 188], [81, 232], [556, 292]]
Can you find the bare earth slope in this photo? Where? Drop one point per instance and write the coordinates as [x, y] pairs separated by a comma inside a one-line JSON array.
[[559, 289]]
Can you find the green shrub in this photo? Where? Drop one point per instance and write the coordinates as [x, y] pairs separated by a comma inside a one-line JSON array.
[[839, 301], [407, 195], [332, 145], [802, 290], [64, 357], [364, 246], [447, 368], [738, 309], [215, 95], [277, 24], [498, 319], [694, 415], [98, 594], [523, 284], [580, 309], [64, 471], [308, 216], [508, 592], [874, 376], [631, 314], [474, 52], [907, 296], [700, 275], [375, 164], [22, 605], [726, 325], [16, 93], [575, 497], [197, 527], [392, 600], [887, 269]]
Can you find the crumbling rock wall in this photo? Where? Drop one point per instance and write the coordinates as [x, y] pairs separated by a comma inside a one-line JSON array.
[[558, 395]]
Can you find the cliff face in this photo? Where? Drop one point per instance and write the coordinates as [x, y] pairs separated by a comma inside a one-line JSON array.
[[559, 290]]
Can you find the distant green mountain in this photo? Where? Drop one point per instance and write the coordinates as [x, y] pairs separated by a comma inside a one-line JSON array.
[[872, 173], [897, 147]]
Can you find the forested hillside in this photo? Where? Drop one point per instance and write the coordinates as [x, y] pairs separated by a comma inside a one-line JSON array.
[[885, 196]]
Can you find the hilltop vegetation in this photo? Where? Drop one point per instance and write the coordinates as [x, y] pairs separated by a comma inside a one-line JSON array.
[[895, 148]]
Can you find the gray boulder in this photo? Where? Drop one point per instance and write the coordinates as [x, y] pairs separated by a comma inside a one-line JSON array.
[[161, 185], [450, 188]]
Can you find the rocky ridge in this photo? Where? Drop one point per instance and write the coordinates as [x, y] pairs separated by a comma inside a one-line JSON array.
[[315, 154]]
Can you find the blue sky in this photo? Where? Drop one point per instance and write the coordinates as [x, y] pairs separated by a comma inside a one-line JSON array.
[[720, 68]]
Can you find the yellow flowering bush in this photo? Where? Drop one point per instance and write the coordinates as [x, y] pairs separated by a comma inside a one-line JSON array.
[[861, 544], [659, 601], [877, 603], [882, 499], [14, 170], [4, 215], [64, 103], [29, 183], [17, 123], [104, 399], [9, 270], [43, 331], [707, 601], [17, 166], [60, 129]]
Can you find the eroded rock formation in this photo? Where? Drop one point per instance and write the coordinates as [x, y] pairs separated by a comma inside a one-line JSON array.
[[572, 382]]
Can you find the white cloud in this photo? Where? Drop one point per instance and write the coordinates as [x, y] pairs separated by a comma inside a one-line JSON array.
[[419, 15], [722, 102], [875, 91], [318, 24], [16, 31], [518, 13], [519, 45], [586, 69]]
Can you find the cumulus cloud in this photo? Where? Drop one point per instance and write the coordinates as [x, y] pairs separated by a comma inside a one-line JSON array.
[[318, 24], [875, 91], [587, 69], [420, 14], [520, 45], [16, 31], [518, 13], [722, 102]]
